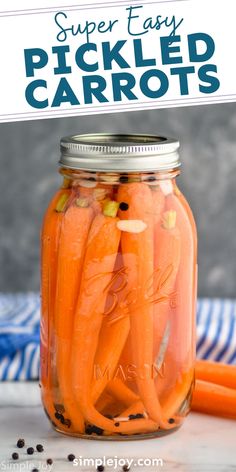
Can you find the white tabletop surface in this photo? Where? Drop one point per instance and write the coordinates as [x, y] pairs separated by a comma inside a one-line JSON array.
[[203, 444]]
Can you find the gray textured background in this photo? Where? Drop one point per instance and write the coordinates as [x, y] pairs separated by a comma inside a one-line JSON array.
[[28, 177]]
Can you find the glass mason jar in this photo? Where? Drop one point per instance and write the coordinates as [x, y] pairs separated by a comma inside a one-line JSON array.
[[118, 290]]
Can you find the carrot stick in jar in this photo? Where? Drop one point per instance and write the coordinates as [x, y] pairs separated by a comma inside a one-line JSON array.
[[99, 263], [138, 254], [114, 331], [171, 402], [166, 266], [100, 257], [185, 287], [111, 342], [74, 232], [49, 246]]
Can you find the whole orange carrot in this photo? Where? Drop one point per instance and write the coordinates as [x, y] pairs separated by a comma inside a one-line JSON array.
[[74, 233], [50, 233], [185, 287], [49, 248], [137, 250], [111, 342], [99, 263], [216, 372], [214, 399], [100, 257], [114, 331], [166, 266]]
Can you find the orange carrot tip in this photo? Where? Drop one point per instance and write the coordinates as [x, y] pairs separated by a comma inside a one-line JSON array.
[[132, 226], [82, 202], [61, 204], [169, 219], [110, 208]]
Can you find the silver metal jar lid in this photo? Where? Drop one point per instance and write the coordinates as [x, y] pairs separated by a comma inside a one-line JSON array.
[[119, 153]]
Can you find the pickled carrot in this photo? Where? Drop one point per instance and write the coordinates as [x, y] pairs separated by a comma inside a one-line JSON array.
[[111, 343], [182, 319], [49, 246], [100, 257], [49, 408], [159, 322], [99, 263], [214, 399], [179, 394], [137, 251], [74, 232], [216, 372], [188, 210], [171, 402], [114, 331], [166, 265]]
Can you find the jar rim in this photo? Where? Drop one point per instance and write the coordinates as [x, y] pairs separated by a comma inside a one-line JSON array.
[[109, 152]]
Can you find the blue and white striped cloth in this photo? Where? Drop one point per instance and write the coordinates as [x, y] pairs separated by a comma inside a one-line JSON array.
[[19, 333], [19, 336]]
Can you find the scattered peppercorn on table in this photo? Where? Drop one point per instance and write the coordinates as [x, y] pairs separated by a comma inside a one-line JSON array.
[[203, 444]]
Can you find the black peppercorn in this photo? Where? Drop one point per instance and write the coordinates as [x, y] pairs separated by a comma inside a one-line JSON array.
[[124, 206], [49, 461], [71, 457], [15, 456], [132, 417], [39, 448], [126, 468], [90, 429], [136, 417], [124, 179], [171, 420], [117, 424], [20, 443], [35, 470], [59, 416], [30, 451], [100, 468], [151, 178]]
